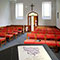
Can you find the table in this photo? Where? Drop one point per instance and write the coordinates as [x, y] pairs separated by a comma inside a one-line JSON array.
[[12, 52]]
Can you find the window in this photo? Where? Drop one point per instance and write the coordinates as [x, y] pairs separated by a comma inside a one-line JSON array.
[[46, 10], [19, 11]]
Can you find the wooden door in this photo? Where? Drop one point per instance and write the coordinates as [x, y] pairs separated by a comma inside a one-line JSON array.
[[35, 21], [32, 21], [29, 23]]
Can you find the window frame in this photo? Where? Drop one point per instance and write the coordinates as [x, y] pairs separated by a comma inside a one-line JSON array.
[[19, 17], [50, 13]]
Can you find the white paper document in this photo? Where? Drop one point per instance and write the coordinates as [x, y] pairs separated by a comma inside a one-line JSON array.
[[33, 53]]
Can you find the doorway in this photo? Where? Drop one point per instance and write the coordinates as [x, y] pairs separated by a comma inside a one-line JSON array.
[[32, 21]]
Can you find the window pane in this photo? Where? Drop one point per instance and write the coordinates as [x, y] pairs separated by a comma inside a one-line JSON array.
[[19, 11], [46, 10]]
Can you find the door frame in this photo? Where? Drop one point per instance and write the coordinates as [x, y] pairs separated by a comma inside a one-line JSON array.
[[36, 14]]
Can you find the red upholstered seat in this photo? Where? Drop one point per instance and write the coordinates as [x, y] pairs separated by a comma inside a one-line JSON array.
[[58, 43], [19, 31], [51, 43], [57, 33], [0, 28], [57, 37], [2, 38], [50, 36], [55, 30], [15, 29], [10, 28], [37, 29], [9, 35], [19, 28], [10, 31], [29, 41], [32, 41], [43, 29], [49, 28], [41, 42], [4, 29], [31, 35], [2, 34], [15, 33], [40, 36], [50, 32], [42, 32], [34, 32]]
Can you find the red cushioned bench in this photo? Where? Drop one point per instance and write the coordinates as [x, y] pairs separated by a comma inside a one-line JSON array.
[[20, 29], [29, 41], [32, 41], [31, 36], [9, 34], [15, 31], [34, 32], [40, 36], [57, 33], [41, 42], [50, 32], [49, 43], [50, 36], [57, 37], [56, 30], [58, 43], [42, 32], [2, 38]]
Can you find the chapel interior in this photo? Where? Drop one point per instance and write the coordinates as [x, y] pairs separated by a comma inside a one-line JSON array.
[[30, 22]]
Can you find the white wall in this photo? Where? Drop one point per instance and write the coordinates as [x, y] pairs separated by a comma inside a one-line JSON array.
[[4, 13], [37, 8], [58, 10]]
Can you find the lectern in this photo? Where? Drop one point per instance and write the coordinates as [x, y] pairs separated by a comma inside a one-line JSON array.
[[28, 52]]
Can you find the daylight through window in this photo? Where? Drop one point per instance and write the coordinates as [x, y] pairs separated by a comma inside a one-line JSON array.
[[19, 11], [46, 10]]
